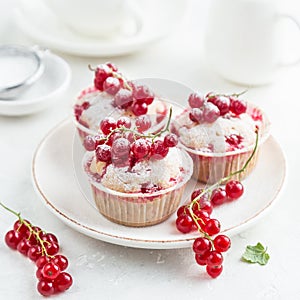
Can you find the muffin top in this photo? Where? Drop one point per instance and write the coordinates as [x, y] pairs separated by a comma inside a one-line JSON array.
[[127, 158], [145, 176], [217, 124], [113, 95]]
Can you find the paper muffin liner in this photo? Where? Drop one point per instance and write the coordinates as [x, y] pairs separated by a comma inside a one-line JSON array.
[[212, 169], [139, 209], [139, 212]]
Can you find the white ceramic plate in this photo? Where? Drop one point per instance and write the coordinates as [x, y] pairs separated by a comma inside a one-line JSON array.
[[56, 183], [154, 20], [43, 93]]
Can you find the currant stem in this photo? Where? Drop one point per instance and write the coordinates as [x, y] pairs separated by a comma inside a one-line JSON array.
[[230, 95], [215, 185], [36, 234], [150, 135]]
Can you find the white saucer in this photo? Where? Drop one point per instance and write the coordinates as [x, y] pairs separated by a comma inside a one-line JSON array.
[[55, 182], [152, 23], [54, 81]]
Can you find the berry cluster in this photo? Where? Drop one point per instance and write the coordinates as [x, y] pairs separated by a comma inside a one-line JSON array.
[[127, 95], [207, 109], [42, 248], [196, 215], [123, 146]]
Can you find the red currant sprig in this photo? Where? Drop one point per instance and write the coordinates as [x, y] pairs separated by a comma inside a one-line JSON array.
[[197, 216], [127, 95], [123, 146], [42, 248], [207, 109]]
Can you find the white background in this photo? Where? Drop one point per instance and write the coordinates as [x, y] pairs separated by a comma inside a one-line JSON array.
[[105, 271]]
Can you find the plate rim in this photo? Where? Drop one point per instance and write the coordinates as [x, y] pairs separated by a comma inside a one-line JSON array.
[[139, 242]]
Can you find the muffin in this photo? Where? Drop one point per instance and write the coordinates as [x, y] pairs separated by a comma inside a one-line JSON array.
[[139, 180], [219, 132], [113, 95]]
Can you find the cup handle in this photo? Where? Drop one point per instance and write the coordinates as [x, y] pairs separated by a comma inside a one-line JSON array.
[[293, 20]]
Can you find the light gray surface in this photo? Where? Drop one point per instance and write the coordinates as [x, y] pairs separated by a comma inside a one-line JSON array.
[[106, 271]]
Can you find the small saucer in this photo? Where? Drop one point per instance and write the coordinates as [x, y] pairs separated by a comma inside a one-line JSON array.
[[44, 92], [147, 23]]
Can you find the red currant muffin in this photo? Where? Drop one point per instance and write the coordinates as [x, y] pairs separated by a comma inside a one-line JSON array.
[[112, 95], [137, 178], [219, 132]]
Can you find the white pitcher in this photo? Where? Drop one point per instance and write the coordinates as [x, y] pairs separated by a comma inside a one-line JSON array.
[[242, 42]]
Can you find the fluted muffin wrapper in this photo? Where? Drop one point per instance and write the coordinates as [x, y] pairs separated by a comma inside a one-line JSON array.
[[138, 212]]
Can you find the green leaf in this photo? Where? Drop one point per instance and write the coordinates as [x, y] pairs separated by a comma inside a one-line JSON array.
[[256, 254]]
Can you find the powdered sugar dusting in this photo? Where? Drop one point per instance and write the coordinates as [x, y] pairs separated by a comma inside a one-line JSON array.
[[156, 172], [212, 136]]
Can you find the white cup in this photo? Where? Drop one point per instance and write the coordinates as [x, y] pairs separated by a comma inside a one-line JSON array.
[[242, 41], [95, 18]]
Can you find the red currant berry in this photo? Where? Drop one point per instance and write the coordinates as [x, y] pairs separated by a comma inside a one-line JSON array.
[[24, 246], [34, 252], [201, 259], [49, 237], [120, 148], [184, 223], [196, 193], [234, 189], [41, 261], [159, 150], [196, 115], [139, 108], [237, 106], [143, 123], [62, 282], [123, 98], [30, 236], [101, 73], [140, 148], [212, 227], [222, 243], [201, 245], [214, 259], [111, 85], [38, 274], [45, 288], [103, 153], [142, 94], [210, 113], [214, 272], [218, 196], [107, 125], [61, 261], [196, 100], [89, 143], [221, 102], [183, 210], [170, 140], [50, 270], [21, 227], [13, 238], [206, 206], [124, 122], [52, 248]]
